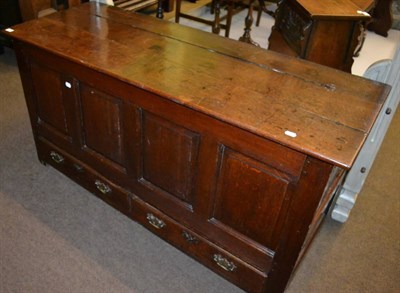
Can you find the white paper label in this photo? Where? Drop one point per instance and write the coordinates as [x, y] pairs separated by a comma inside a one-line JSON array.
[[290, 133]]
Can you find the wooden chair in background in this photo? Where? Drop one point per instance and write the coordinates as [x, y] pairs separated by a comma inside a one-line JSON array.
[[136, 5], [262, 7], [32, 9], [215, 8], [233, 7]]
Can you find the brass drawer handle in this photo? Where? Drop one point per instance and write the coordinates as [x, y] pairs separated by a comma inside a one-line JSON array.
[[56, 157], [155, 222], [189, 238], [103, 188], [224, 263]]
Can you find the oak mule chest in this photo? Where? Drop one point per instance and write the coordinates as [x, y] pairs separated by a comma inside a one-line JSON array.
[[229, 152]]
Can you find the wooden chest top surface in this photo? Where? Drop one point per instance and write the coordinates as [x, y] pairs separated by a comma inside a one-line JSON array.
[[266, 93]]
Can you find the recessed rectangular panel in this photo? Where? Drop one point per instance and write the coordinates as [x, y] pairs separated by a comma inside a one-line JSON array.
[[48, 91], [101, 115], [249, 196], [169, 156]]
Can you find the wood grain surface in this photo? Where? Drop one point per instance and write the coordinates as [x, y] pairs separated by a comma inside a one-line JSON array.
[[263, 92], [336, 8]]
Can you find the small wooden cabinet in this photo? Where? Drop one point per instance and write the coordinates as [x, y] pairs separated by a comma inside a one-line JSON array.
[[237, 175], [325, 32]]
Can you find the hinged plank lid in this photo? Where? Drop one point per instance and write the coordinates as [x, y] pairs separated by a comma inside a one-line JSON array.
[[313, 109]]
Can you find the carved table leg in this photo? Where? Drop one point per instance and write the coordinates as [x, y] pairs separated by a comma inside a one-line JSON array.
[[248, 23], [361, 38]]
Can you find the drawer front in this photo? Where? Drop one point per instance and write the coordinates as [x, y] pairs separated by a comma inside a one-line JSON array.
[[84, 175], [210, 255]]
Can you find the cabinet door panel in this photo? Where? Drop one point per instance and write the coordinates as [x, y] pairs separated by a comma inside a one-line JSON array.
[[101, 122], [170, 154], [249, 197]]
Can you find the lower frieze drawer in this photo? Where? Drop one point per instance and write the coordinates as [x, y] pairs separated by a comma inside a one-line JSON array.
[[85, 176], [201, 249]]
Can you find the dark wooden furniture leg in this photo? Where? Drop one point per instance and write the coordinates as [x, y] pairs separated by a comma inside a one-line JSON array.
[[262, 7], [229, 18], [168, 5], [178, 10], [160, 9], [381, 18], [246, 38], [216, 27]]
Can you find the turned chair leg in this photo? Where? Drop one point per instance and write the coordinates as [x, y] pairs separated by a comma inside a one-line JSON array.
[[259, 13], [229, 18], [263, 8], [160, 9], [216, 27]]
